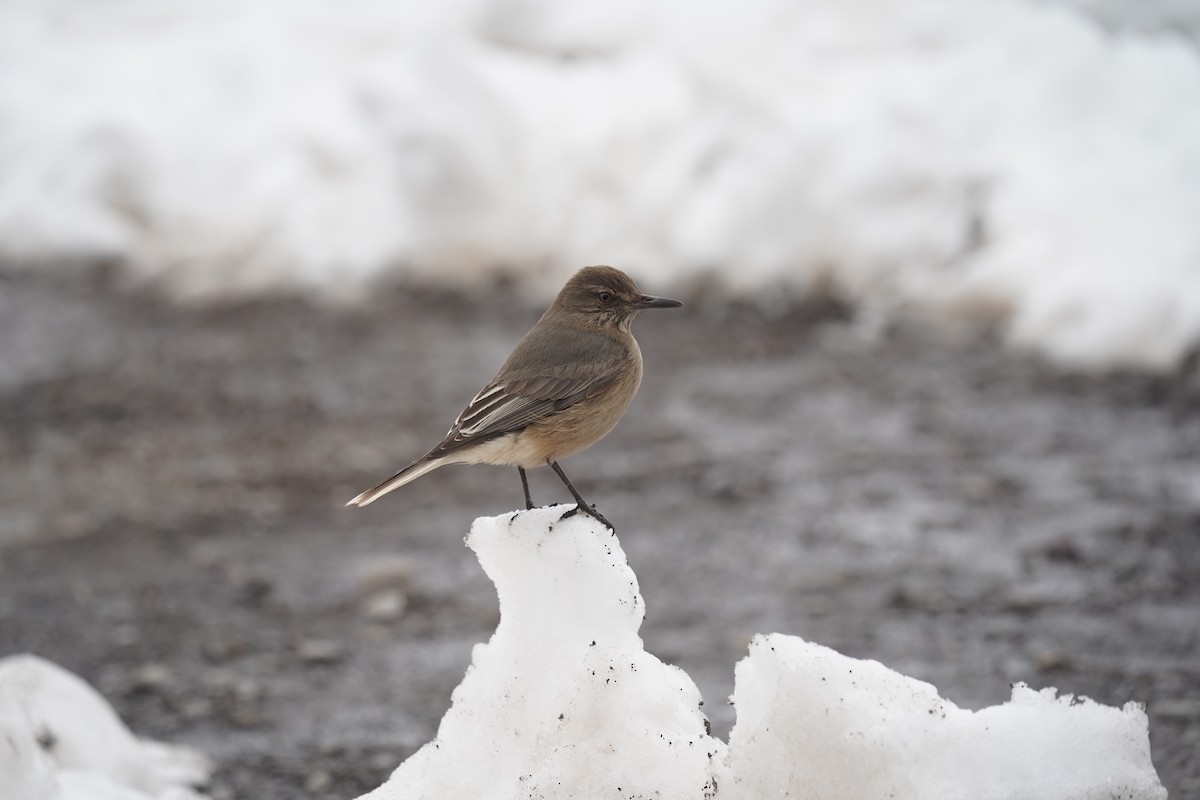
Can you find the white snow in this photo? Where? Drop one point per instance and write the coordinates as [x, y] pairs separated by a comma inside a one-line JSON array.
[[1005, 161], [814, 723], [60, 740], [564, 702]]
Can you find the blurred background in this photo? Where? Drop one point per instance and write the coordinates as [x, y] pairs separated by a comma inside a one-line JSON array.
[[933, 400]]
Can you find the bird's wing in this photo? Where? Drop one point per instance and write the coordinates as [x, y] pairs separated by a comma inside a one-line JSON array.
[[528, 388]]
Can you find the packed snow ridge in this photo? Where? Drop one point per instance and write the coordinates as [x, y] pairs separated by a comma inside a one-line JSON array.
[[1004, 161], [564, 702]]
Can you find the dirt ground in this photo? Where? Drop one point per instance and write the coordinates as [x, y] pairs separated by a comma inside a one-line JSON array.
[[172, 524]]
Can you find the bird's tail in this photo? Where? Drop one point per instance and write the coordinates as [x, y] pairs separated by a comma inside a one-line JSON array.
[[409, 473]]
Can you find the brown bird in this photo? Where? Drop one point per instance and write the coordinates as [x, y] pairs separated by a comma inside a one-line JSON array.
[[564, 387]]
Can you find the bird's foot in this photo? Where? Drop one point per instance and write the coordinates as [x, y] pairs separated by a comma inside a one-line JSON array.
[[591, 512]]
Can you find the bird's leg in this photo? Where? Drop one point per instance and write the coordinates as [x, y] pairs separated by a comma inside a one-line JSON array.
[[581, 504], [525, 486]]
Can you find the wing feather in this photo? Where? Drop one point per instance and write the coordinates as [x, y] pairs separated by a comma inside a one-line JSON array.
[[531, 387]]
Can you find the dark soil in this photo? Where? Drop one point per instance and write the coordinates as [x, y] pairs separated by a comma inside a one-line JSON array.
[[172, 524]]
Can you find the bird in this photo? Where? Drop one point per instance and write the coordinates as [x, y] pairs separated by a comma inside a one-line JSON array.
[[563, 388]]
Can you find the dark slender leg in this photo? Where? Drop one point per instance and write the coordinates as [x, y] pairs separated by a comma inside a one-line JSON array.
[[582, 504], [525, 486]]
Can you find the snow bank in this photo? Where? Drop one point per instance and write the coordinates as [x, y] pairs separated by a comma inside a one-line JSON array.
[[60, 740], [1003, 160], [564, 702]]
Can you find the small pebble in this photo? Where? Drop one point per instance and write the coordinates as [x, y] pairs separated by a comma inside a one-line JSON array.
[[385, 606], [321, 651]]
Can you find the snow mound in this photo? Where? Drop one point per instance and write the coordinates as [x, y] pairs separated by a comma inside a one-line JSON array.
[[1003, 161], [60, 740], [814, 723], [564, 702]]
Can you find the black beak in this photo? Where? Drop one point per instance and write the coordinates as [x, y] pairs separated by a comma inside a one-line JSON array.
[[646, 301]]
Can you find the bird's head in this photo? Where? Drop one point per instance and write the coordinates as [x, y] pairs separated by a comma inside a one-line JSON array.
[[606, 296]]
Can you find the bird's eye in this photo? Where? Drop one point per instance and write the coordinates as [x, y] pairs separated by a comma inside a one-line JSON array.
[[605, 297]]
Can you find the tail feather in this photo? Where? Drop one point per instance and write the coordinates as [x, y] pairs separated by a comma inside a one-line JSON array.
[[409, 473]]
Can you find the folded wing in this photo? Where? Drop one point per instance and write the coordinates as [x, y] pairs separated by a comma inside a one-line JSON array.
[[517, 398]]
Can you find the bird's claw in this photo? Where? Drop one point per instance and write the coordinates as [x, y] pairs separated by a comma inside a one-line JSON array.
[[590, 511]]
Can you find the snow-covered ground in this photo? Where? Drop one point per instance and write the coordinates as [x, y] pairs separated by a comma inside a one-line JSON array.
[[1006, 161]]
